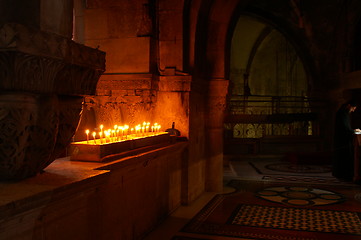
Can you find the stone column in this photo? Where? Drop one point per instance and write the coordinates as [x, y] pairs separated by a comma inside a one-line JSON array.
[[217, 93]]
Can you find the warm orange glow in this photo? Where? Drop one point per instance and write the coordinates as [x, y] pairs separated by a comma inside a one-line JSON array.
[[107, 136], [122, 133], [94, 134], [101, 137], [87, 135]]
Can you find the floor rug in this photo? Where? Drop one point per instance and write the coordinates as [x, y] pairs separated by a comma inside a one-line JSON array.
[[269, 210]]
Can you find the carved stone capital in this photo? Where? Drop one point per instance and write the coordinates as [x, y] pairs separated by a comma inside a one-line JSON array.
[[43, 78], [36, 61], [20, 38], [34, 130]]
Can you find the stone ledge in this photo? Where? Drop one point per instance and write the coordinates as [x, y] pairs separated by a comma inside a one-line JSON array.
[[64, 177]]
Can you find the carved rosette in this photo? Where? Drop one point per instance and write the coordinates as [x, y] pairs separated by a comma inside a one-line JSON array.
[[44, 79]]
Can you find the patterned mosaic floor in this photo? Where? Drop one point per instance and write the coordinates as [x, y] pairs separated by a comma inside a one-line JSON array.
[[265, 210], [291, 169], [307, 180], [298, 219], [300, 196], [272, 169]]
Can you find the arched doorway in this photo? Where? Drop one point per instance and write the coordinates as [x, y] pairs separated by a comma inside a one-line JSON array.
[[269, 93]]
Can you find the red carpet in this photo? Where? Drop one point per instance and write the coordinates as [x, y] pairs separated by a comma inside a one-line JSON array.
[[264, 210]]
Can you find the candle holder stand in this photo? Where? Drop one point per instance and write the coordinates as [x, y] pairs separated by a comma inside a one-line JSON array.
[[96, 150]]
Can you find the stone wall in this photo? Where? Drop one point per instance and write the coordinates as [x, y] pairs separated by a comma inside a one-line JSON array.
[[123, 199]]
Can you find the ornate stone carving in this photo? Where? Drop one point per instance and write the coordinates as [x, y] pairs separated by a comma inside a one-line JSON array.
[[70, 109], [16, 37], [43, 80], [27, 133], [34, 130]]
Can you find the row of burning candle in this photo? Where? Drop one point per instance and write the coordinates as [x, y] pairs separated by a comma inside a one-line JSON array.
[[119, 133]]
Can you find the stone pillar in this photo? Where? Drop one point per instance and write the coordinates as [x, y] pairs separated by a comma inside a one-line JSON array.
[[217, 93], [173, 101], [44, 77]]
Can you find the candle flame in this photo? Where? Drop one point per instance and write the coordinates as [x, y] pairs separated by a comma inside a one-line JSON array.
[[120, 133]]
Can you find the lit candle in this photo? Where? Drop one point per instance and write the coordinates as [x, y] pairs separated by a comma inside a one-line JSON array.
[[155, 128], [87, 135], [137, 129], [100, 136], [126, 131], [117, 134], [107, 134], [94, 133], [121, 132], [113, 135]]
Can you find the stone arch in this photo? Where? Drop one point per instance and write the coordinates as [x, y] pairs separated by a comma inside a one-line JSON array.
[[215, 25], [210, 59], [295, 36]]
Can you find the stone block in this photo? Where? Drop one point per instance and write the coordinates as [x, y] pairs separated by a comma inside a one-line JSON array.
[[126, 55], [96, 24], [171, 54]]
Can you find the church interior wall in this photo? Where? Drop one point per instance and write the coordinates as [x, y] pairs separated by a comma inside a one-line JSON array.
[[153, 73]]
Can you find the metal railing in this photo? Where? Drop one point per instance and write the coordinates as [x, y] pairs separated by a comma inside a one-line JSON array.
[[259, 116]]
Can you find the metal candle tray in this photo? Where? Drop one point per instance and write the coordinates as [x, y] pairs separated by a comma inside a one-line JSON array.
[[94, 151]]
